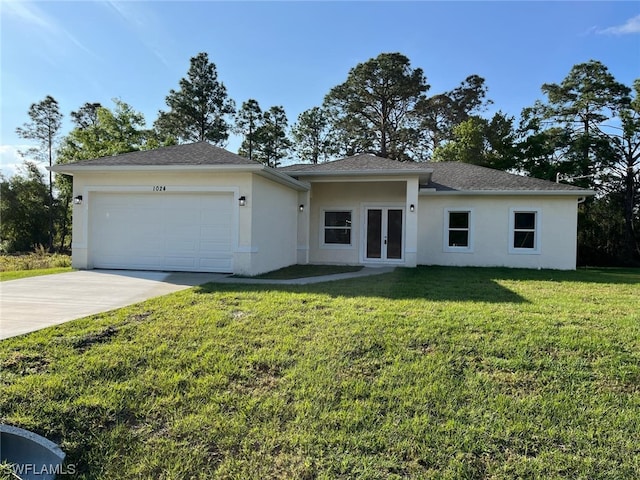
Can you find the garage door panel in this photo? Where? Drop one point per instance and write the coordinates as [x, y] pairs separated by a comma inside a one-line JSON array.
[[174, 245], [185, 263], [189, 232], [209, 263]]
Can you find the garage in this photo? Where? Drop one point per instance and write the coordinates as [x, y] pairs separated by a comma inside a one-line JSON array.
[[162, 231]]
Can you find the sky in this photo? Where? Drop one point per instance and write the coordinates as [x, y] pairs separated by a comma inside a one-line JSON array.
[[292, 53]]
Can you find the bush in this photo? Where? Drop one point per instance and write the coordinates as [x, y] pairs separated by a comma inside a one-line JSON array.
[[34, 261]]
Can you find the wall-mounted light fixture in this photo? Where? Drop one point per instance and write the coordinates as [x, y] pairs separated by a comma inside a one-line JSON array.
[[77, 200], [242, 201], [301, 207], [412, 208]]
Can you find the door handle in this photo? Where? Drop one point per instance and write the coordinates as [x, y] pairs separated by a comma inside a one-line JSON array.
[[385, 240]]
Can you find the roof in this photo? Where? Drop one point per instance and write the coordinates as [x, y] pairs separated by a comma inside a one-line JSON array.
[[439, 177], [459, 176], [357, 164], [435, 177], [200, 153], [193, 157], [364, 162]]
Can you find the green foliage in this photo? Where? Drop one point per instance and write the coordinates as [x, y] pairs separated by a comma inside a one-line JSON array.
[[39, 262], [198, 110], [24, 210], [375, 107], [248, 120], [488, 143], [101, 132], [421, 373], [313, 136], [442, 113], [40, 259], [589, 128], [271, 141], [44, 128]]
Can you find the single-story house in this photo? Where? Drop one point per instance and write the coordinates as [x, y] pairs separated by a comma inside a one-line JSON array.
[[197, 207]]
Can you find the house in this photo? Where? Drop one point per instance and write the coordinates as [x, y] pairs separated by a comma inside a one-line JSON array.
[[197, 207]]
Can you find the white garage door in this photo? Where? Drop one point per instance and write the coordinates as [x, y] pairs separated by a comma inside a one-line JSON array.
[[168, 231]]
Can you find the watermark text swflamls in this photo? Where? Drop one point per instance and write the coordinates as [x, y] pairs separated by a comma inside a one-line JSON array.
[[21, 469]]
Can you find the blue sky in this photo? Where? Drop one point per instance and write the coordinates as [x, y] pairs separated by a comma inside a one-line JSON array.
[[293, 53]]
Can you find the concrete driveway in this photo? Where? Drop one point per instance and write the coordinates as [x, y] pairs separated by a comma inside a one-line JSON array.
[[29, 304]]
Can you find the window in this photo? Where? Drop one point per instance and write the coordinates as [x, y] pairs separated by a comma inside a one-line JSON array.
[[337, 227], [458, 230], [524, 231]]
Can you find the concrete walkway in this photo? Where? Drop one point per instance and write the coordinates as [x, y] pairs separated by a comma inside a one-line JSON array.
[[365, 272], [30, 304]]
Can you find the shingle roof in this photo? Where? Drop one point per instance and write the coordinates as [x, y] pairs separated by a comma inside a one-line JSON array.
[[365, 162], [459, 176], [446, 176], [200, 153]]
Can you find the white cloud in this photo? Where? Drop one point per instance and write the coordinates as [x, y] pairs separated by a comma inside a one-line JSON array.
[[11, 160], [632, 26], [31, 14], [145, 23]]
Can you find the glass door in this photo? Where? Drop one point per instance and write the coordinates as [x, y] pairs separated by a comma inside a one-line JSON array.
[[384, 234]]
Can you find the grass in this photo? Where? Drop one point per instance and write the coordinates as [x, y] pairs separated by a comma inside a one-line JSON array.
[[304, 271], [14, 275], [34, 264], [421, 373]]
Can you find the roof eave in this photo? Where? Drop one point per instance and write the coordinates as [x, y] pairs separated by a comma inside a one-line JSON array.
[[72, 169], [283, 178], [350, 173], [543, 193], [258, 168]]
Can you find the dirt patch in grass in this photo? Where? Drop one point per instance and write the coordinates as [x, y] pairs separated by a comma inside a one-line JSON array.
[[25, 363], [90, 339]]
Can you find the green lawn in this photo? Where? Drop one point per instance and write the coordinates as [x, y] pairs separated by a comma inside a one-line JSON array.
[[305, 271], [16, 274], [34, 264], [421, 373]]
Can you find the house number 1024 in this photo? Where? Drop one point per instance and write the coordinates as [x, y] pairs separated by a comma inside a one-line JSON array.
[[159, 188]]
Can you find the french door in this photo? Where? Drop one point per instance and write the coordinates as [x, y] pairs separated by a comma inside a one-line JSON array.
[[384, 233]]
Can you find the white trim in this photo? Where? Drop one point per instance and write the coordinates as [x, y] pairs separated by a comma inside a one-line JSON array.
[[335, 246], [354, 179], [149, 189], [537, 239], [262, 170], [364, 207], [471, 230], [246, 249], [361, 172], [70, 169]]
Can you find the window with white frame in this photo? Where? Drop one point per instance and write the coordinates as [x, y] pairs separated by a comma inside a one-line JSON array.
[[337, 227], [524, 231], [458, 230]]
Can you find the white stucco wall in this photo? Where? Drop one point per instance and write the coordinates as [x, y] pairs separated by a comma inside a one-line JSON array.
[[274, 225], [348, 196], [491, 233]]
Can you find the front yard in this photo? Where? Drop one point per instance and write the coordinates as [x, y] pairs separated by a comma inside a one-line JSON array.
[[13, 267], [421, 373]]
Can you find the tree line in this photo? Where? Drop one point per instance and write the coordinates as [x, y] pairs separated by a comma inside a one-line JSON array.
[[585, 131]]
